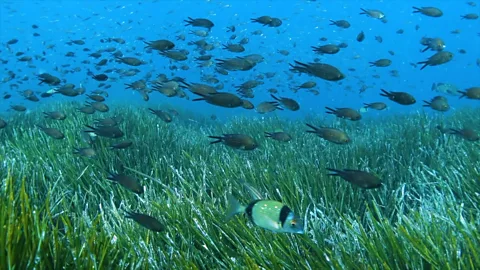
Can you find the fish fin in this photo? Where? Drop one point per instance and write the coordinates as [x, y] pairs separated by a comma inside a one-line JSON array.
[[218, 139], [90, 127], [253, 191], [315, 129], [385, 93], [234, 208], [111, 177], [198, 99], [330, 110], [130, 214], [334, 172]]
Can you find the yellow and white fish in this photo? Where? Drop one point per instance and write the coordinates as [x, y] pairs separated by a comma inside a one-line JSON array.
[[270, 215]]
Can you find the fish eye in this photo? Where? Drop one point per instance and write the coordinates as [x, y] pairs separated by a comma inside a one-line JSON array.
[[293, 223]]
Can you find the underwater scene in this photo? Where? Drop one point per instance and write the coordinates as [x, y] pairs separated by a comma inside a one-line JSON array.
[[211, 134]]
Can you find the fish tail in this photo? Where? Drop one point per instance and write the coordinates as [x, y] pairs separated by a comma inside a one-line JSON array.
[[274, 97], [334, 172], [416, 9], [217, 139], [234, 208], [268, 134], [455, 131], [111, 177], [427, 103], [312, 127], [92, 129], [330, 110], [385, 93], [363, 11], [198, 99], [129, 214], [463, 93]]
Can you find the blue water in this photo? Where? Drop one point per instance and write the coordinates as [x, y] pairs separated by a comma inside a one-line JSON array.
[[304, 23]]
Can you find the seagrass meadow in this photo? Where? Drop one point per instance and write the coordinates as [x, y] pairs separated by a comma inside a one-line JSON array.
[[59, 211]]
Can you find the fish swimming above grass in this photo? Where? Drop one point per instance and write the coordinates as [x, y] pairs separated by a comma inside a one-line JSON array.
[[270, 215]]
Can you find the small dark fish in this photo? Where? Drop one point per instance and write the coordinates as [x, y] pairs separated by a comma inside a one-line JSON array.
[[471, 93], [127, 182], [466, 133], [12, 41], [360, 36], [121, 145], [324, 71], [222, 99], [326, 49], [52, 132], [146, 221], [438, 103], [18, 108], [199, 22], [380, 106], [99, 77], [49, 79], [131, 61], [165, 116], [160, 45], [428, 11], [381, 63], [437, 59], [307, 85], [287, 103], [279, 136], [3, 124], [237, 141], [377, 14], [105, 131], [345, 113], [109, 122], [87, 110], [265, 20], [470, 16], [96, 98], [340, 23], [359, 178], [55, 115], [85, 152], [402, 98], [330, 134]]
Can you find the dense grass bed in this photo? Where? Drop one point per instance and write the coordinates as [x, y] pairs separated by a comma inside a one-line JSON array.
[[58, 210]]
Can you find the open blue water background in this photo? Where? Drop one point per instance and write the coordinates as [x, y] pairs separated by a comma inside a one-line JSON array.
[[304, 23]]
